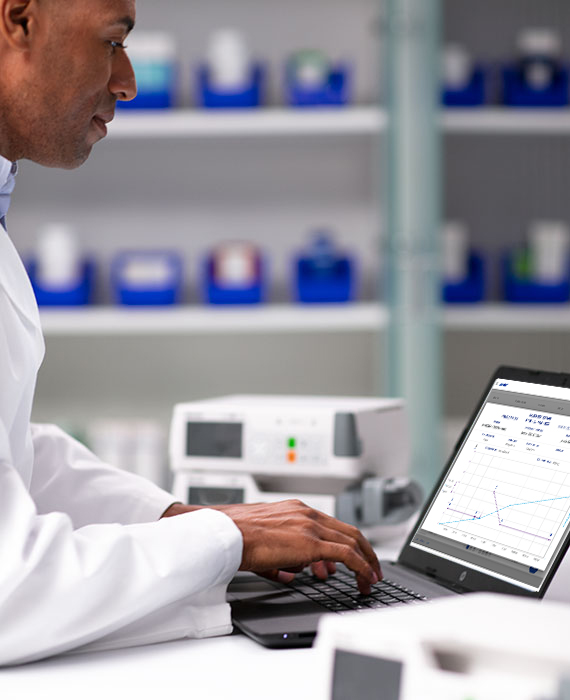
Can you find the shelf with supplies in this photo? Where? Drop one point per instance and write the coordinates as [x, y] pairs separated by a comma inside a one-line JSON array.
[[287, 318], [508, 317], [352, 121], [187, 123], [188, 320], [502, 121]]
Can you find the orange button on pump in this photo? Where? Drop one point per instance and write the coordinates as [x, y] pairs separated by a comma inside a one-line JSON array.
[[292, 456]]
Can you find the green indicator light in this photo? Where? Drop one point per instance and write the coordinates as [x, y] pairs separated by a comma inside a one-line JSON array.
[[292, 443]]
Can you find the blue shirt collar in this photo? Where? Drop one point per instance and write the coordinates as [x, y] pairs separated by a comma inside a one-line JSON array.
[[8, 172]]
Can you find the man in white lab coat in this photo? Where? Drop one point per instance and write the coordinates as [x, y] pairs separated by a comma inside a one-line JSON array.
[[89, 555]]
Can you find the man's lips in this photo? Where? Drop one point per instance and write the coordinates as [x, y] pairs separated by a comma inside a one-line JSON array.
[[101, 121]]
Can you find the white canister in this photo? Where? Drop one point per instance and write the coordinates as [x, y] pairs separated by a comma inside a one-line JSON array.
[[540, 50], [154, 58], [114, 442], [455, 244], [236, 265], [58, 257], [229, 60], [456, 67], [149, 459], [549, 246]]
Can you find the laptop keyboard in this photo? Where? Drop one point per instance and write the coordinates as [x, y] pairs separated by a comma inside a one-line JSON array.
[[339, 593]]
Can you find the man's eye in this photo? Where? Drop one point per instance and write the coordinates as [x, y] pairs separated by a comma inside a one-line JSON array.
[[117, 45]]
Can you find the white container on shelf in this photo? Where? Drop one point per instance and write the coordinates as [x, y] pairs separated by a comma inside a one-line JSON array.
[[154, 57], [58, 257], [135, 445], [112, 441], [456, 67], [150, 451], [455, 243], [229, 60], [549, 246], [540, 50]]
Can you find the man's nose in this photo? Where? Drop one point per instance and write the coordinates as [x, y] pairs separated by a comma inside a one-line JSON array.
[[123, 83]]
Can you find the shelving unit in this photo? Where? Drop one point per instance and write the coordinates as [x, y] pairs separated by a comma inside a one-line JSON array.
[[503, 122], [287, 318], [262, 123], [505, 318], [352, 121], [504, 168], [271, 319], [189, 178]]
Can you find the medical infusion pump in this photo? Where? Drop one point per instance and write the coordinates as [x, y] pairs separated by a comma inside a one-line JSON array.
[[266, 448]]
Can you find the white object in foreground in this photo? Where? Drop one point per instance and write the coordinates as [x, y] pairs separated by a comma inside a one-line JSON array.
[[481, 645]]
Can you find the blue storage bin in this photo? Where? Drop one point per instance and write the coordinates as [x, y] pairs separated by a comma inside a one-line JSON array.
[[316, 287], [470, 290], [156, 90], [472, 95], [323, 274], [524, 291], [164, 293], [336, 93], [215, 294], [78, 295], [516, 92], [249, 96]]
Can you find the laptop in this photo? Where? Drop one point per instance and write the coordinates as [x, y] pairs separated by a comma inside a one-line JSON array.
[[497, 520]]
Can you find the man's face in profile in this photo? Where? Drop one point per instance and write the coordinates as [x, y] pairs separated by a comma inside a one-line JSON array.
[[75, 71]]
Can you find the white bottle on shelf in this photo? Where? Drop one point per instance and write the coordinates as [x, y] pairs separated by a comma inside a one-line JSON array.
[[549, 246], [455, 242], [154, 56], [229, 60], [149, 456], [456, 66], [135, 445], [58, 257], [540, 51]]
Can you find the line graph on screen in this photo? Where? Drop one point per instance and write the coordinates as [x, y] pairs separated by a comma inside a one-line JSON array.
[[506, 502]]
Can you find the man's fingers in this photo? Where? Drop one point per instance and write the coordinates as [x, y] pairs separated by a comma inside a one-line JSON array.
[[320, 569], [354, 533], [365, 574], [277, 575], [331, 567], [323, 569], [278, 537]]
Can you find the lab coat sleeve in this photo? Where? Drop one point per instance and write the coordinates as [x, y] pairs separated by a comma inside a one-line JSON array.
[[67, 477], [62, 588]]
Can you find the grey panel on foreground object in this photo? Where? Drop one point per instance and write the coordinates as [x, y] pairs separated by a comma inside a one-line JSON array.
[[365, 677]]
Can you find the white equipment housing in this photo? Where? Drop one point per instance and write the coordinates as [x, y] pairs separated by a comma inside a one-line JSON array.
[[480, 645], [240, 449]]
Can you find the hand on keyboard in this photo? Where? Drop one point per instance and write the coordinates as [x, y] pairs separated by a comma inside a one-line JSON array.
[[285, 537]]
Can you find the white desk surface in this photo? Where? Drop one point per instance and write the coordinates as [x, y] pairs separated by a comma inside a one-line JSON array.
[[232, 668], [228, 668]]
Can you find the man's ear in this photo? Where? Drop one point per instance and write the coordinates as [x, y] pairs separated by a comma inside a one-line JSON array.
[[16, 21]]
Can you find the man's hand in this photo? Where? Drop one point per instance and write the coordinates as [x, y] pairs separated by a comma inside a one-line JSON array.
[[282, 538]]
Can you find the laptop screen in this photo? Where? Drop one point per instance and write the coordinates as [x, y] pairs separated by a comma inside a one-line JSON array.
[[503, 507]]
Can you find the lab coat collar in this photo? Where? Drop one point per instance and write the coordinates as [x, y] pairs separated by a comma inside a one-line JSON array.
[[8, 172], [16, 284], [13, 276]]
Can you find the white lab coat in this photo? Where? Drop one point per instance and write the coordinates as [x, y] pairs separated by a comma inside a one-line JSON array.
[[84, 560]]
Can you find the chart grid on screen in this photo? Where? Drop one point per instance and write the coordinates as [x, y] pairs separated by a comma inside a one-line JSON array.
[[515, 502]]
